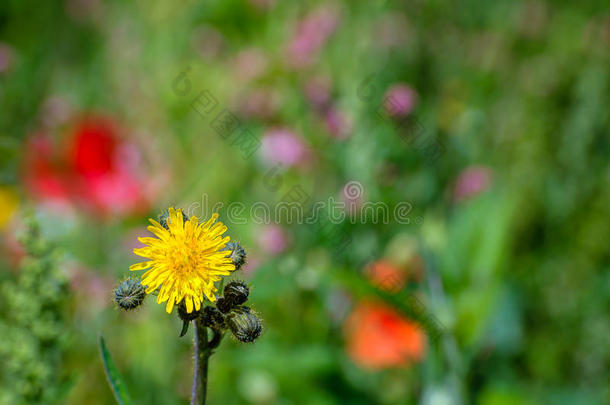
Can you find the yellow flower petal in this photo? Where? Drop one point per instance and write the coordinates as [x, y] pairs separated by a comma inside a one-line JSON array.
[[141, 266]]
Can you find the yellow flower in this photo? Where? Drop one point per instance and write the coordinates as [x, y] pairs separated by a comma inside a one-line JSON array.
[[8, 205], [185, 260]]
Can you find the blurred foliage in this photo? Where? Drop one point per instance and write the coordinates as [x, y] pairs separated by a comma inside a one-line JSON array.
[[33, 325]]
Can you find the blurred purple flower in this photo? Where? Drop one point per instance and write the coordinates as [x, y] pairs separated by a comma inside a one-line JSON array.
[[399, 101], [311, 34], [472, 181], [282, 146], [7, 56], [273, 239]]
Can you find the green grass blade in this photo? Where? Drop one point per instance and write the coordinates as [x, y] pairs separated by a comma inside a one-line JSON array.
[[112, 374]]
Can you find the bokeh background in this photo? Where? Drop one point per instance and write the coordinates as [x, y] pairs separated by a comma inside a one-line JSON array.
[[487, 120]]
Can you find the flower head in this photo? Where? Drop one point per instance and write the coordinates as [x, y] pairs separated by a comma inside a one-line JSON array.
[[186, 259]]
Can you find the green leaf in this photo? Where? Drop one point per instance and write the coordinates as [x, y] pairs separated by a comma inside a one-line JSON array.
[[114, 378]]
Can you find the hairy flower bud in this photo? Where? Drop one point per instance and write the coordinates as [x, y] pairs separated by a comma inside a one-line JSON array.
[[223, 305], [236, 293], [244, 324], [212, 317], [129, 294], [165, 216], [238, 254]]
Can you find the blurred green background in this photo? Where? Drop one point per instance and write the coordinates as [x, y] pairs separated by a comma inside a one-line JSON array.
[[488, 120]]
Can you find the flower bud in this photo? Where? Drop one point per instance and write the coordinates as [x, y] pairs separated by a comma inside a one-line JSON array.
[[244, 324], [164, 217], [238, 254], [236, 293], [129, 294], [223, 305], [212, 317]]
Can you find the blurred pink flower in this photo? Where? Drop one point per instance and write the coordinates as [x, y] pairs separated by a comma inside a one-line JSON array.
[[258, 103], [250, 64], [317, 91], [7, 56], [207, 41], [87, 284], [311, 34], [282, 146], [252, 263], [273, 239], [472, 181], [338, 123], [56, 110], [400, 99]]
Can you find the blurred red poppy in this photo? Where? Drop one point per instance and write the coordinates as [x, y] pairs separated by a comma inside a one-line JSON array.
[[378, 337], [92, 168]]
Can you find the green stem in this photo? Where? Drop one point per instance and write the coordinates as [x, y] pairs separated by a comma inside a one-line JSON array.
[[203, 350], [200, 368]]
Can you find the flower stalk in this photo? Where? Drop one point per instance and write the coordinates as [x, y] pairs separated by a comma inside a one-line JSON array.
[[204, 349], [200, 366]]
